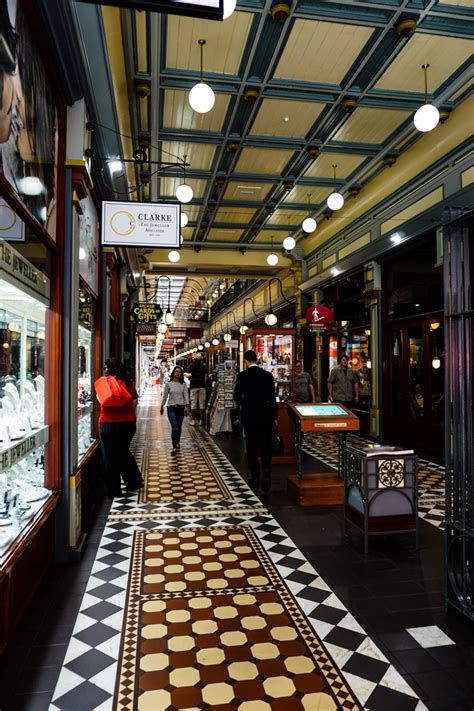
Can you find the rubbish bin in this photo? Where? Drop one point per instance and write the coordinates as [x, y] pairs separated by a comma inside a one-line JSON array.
[[380, 490]]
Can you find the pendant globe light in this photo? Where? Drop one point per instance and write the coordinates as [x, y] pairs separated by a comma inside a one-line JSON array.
[[162, 328], [229, 7], [335, 201], [309, 224], [427, 116], [201, 96], [289, 243], [174, 256], [184, 192], [184, 219], [271, 319], [272, 259]]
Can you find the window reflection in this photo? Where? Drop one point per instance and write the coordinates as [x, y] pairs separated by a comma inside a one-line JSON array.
[[397, 379], [416, 372], [437, 371]]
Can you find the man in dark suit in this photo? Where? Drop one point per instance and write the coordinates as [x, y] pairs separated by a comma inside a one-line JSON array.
[[255, 394]]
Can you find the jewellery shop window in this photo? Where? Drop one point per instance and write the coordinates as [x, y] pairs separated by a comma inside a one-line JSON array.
[[23, 433], [358, 350], [84, 374]]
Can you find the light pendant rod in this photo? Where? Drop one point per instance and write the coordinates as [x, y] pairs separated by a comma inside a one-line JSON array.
[[201, 43], [334, 168], [425, 69]]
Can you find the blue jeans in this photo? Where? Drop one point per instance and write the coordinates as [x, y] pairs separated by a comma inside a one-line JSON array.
[[176, 417]]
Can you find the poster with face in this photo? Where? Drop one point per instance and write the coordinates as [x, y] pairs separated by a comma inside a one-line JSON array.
[[28, 119]]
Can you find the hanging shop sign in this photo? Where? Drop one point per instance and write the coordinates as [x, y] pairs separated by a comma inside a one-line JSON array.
[[317, 318], [15, 268], [136, 224], [11, 227], [143, 312], [210, 9], [146, 329]]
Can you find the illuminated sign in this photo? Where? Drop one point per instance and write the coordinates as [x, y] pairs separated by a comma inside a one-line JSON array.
[[210, 9], [135, 224], [143, 312]]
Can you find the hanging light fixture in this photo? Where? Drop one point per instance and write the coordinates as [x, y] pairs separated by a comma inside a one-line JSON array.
[[184, 192], [243, 328], [215, 341], [271, 318], [229, 7], [289, 243], [201, 96], [200, 347], [227, 335], [335, 201], [426, 117], [174, 255], [207, 344], [436, 363], [309, 224], [272, 258], [162, 328], [184, 219]]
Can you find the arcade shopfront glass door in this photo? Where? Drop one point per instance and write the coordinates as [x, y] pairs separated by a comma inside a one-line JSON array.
[[414, 393]]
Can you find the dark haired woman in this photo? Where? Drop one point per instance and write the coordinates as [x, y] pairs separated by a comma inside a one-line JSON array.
[[117, 427], [177, 396]]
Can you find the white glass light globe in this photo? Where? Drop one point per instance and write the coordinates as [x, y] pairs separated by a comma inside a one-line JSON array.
[[309, 225], [162, 328], [31, 185], [195, 350], [272, 259], [207, 344], [271, 319], [335, 201], [289, 243], [215, 341], [184, 219], [426, 118], [243, 329], [436, 363], [169, 318], [202, 98], [174, 256], [200, 347], [184, 193], [227, 337], [229, 7]]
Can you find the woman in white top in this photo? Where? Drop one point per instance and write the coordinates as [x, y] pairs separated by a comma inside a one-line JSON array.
[[176, 396]]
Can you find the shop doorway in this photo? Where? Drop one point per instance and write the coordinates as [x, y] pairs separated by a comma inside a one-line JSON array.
[[413, 412]]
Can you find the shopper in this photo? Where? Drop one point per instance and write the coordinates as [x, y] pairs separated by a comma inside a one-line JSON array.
[[197, 387], [117, 428], [304, 389], [255, 394], [343, 384], [176, 396]]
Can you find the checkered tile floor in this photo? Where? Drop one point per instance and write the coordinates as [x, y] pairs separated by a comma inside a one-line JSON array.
[[104, 660], [430, 475]]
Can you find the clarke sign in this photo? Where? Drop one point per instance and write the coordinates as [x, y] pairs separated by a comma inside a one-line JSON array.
[[319, 315], [135, 224]]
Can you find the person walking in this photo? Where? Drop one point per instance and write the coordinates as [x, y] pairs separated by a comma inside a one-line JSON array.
[[176, 395], [255, 394], [117, 427], [197, 388], [343, 384], [304, 388]]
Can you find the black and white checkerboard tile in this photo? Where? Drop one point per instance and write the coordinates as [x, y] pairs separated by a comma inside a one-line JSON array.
[[431, 496], [88, 675]]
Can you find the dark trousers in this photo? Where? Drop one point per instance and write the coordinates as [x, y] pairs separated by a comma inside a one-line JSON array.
[[259, 440], [115, 438], [176, 417]]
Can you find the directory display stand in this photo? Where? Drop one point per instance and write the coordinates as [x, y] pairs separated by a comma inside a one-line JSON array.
[[319, 487]]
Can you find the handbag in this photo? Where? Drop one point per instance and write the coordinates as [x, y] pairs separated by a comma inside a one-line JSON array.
[[278, 446], [111, 392]]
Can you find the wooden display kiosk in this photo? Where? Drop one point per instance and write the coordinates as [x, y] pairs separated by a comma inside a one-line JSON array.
[[319, 488]]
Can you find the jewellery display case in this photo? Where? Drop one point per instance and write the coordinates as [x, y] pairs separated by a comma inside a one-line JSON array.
[[23, 432], [276, 352], [84, 378]]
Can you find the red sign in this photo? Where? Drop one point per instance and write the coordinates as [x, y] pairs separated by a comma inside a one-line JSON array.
[[319, 315]]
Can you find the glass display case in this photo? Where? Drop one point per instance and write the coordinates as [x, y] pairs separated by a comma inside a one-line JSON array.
[[23, 432], [275, 349], [84, 377]]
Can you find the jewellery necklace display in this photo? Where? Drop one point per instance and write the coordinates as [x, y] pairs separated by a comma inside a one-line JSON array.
[[84, 393]]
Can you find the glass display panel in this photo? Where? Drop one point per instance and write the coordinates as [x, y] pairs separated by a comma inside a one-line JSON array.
[[357, 349], [23, 433], [84, 375], [321, 411], [437, 371], [275, 354], [397, 379], [415, 340]]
